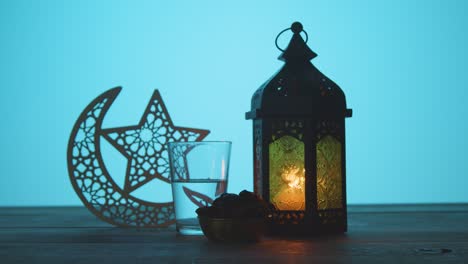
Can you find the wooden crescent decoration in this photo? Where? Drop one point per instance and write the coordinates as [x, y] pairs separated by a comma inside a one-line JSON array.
[[90, 178]]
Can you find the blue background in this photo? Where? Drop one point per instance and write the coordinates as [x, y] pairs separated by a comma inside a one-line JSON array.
[[402, 65]]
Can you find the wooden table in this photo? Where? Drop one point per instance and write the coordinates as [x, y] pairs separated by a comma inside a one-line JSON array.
[[377, 234]]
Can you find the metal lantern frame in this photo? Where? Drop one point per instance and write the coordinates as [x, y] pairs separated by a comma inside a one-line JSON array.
[[300, 102]]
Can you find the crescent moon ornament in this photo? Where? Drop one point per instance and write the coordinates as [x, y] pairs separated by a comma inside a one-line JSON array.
[[145, 147]]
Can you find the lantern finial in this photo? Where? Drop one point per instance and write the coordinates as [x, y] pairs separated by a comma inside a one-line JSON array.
[[296, 27], [297, 49]]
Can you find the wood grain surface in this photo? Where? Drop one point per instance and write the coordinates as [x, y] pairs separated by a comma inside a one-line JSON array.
[[377, 234]]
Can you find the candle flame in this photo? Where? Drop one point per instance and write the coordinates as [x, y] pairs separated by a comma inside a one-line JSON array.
[[292, 193], [293, 177]]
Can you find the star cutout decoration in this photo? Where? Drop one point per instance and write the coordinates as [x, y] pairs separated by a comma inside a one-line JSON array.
[[145, 145]]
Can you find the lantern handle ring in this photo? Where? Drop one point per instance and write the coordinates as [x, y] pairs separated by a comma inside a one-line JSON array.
[[296, 27]]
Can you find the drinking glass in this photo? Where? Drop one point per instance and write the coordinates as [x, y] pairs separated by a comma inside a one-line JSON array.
[[199, 174]]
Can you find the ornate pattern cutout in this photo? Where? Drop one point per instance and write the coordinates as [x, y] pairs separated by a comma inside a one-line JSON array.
[[329, 178], [91, 180], [287, 127], [288, 217], [145, 145], [332, 217], [327, 128], [258, 141]]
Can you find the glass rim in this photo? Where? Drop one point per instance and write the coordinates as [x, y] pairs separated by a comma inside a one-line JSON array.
[[201, 142]]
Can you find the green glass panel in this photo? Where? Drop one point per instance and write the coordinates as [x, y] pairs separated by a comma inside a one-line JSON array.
[[329, 178], [287, 174]]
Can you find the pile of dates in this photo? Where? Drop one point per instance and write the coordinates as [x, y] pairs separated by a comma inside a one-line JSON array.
[[245, 204]]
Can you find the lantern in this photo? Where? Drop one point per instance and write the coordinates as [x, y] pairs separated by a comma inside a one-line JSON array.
[[299, 144]]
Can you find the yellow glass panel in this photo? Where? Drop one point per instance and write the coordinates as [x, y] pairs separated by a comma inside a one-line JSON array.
[[329, 178], [287, 174]]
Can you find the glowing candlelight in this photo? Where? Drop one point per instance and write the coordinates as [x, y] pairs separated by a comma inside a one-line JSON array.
[[292, 194]]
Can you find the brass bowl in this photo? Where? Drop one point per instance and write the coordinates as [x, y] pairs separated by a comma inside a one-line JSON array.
[[232, 229]]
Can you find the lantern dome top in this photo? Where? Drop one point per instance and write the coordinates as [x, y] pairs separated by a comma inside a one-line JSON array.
[[297, 48], [298, 89]]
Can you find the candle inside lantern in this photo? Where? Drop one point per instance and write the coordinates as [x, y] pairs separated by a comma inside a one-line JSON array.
[[292, 194], [287, 180]]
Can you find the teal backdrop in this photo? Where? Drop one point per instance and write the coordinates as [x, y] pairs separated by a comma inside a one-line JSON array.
[[402, 64]]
